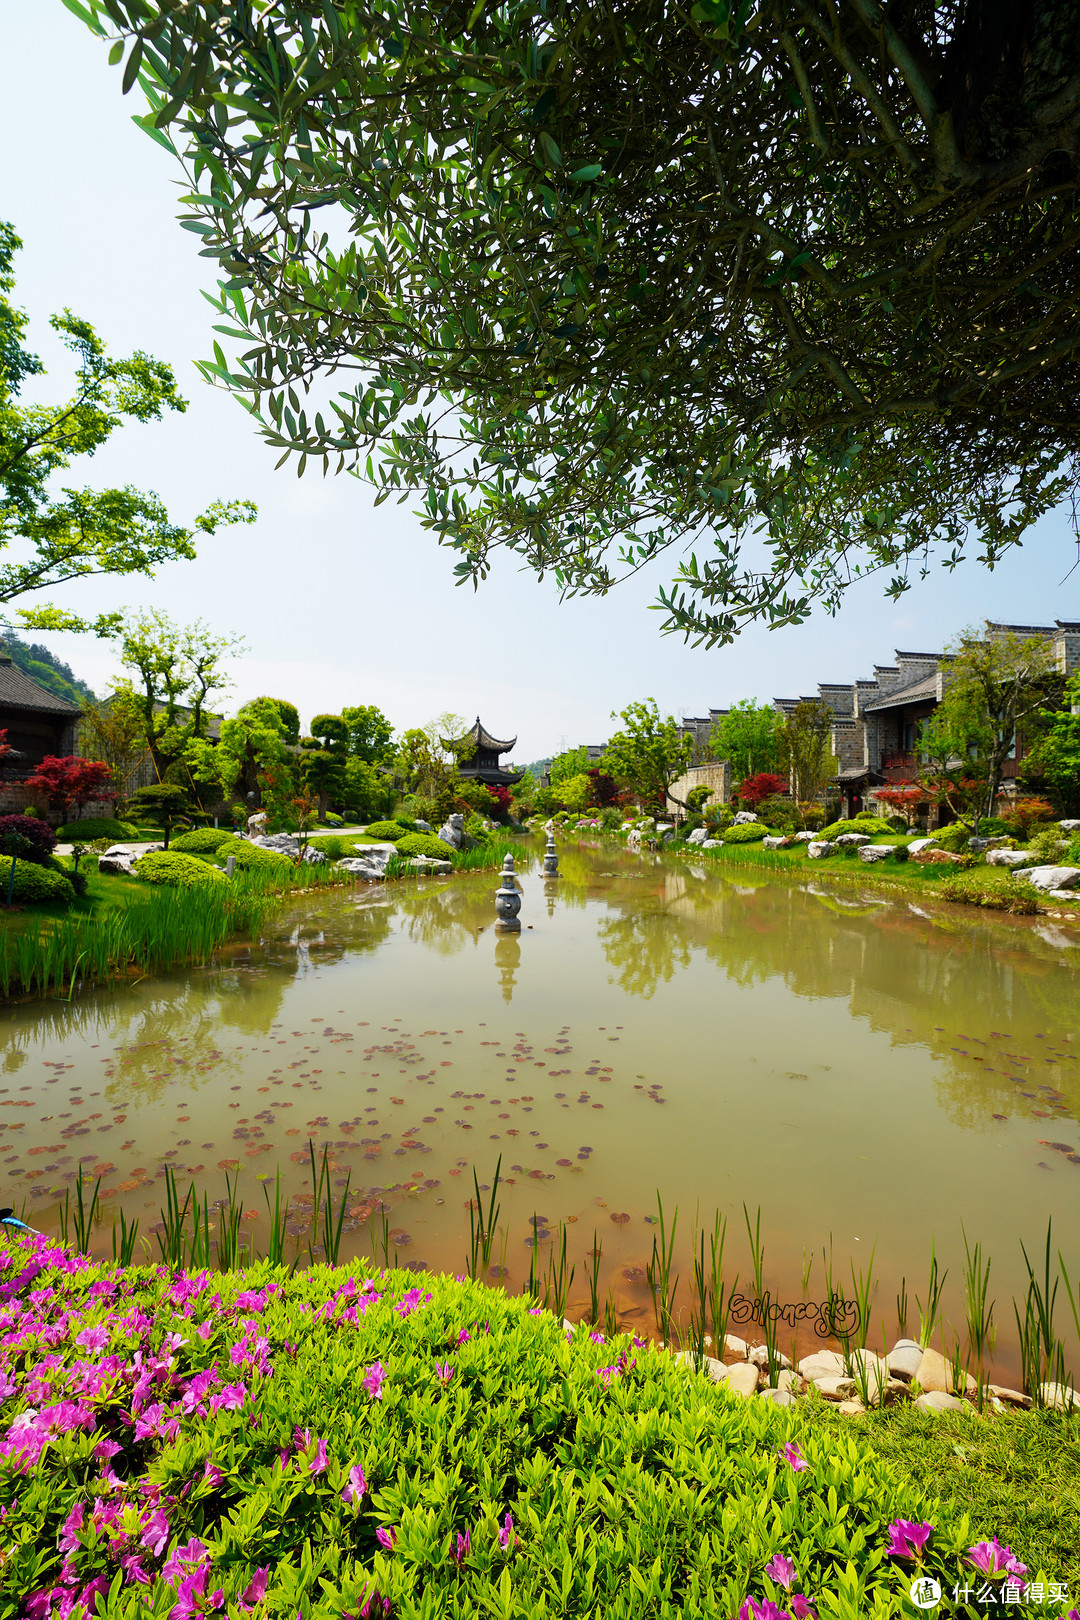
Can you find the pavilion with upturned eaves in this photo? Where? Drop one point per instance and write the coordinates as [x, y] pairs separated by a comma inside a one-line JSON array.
[[477, 754]]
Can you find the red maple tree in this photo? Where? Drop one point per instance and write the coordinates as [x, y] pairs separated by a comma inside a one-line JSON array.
[[752, 789], [68, 780]]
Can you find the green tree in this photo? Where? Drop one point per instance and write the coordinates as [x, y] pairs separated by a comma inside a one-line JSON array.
[[805, 751], [995, 683], [672, 288], [165, 801], [1057, 757], [368, 792], [649, 753], [258, 740], [574, 792], [71, 534], [322, 760], [177, 669], [423, 760], [573, 762], [749, 737], [371, 736]]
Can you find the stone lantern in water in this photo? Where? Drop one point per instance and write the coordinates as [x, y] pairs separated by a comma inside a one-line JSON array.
[[507, 901], [551, 860]]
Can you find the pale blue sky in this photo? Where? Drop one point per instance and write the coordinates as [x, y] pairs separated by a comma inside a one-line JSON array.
[[341, 603]]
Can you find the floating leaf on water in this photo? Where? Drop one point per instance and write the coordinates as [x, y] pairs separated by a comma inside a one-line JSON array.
[[620, 1220], [233, 1164], [564, 1164], [634, 1274]]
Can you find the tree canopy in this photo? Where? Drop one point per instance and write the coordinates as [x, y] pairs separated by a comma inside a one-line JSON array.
[[785, 286], [72, 533]]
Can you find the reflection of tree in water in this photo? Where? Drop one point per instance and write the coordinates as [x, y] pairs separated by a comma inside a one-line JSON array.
[[443, 919], [644, 949]]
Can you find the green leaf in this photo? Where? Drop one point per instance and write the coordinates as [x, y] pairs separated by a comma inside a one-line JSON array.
[[591, 171], [116, 53]]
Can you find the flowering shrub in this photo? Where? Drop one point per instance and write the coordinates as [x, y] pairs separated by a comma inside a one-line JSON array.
[[338, 1443]]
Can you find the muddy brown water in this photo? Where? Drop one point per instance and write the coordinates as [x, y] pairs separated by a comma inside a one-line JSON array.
[[874, 1074]]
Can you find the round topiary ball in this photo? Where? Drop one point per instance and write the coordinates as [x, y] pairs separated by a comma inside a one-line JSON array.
[[176, 871]]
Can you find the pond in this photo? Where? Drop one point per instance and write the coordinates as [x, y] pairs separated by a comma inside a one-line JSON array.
[[874, 1075]]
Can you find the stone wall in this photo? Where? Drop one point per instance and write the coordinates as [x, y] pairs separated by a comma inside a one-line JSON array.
[[16, 799], [716, 776]]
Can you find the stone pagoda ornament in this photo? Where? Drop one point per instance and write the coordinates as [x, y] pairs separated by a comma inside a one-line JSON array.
[[551, 859], [508, 901]]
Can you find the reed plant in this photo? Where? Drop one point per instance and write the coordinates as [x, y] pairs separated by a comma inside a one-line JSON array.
[[83, 1215], [594, 1278], [700, 1308], [327, 1222], [230, 1246], [659, 1273], [482, 1225], [757, 1249], [931, 1311], [719, 1303], [979, 1307], [560, 1277], [379, 1234], [123, 1252], [279, 1221]]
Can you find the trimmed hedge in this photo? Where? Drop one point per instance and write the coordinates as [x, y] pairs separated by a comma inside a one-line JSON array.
[[176, 871], [203, 840], [334, 1442], [387, 831], [35, 884], [251, 858], [869, 826], [747, 832], [424, 844], [84, 832]]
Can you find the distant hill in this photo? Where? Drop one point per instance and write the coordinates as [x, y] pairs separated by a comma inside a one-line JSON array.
[[49, 671]]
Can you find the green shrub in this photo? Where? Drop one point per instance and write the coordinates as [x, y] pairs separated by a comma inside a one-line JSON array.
[[333, 820], [971, 890], [81, 832], [870, 826], [36, 884], [476, 829], [407, 822], [252, 858], [954, 837], [424, 844], [1049, 846], [747, 832], [203, 840], [387, 831], [512, 1470], [900, 853], [176, 871]]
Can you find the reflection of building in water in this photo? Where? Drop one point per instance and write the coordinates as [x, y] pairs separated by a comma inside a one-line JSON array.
[[507, 960]]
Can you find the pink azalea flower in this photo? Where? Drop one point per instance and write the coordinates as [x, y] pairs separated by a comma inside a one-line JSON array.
[[781, 1569], [459, 1549], [802, 1608], [255, 1591], [69, 1537], [317, 1465], [357, 1486], [212, 1475], [908, 1538], [793, 1456], [463, 1337], [301, 1438], [386, 1538], [506, 1534], [93, 1338], [993, 1559], [596, 1338], [375, 1607], [753, 1610], [444, 1371], [374, 1379]]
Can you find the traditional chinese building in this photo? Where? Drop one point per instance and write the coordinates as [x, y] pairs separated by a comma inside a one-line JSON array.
[[477, 754]]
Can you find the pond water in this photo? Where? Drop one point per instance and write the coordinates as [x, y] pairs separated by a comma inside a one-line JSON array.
[[873, 1074]]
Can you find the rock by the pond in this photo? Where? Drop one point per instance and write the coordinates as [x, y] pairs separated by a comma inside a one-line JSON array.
[[822, 1364], [819, 849], [771, 841], [759, 1355], [284, 843], [937, 857], [935, 1374], [1006, 857], [877, 852], [116, 865], [744, 818], [1011, 1397], [851, 1408], [1052, 877], [854, 840], [743, 1378], [788, 1379], [713, 1368], [936, 1400], [315, 857], [698, 836], [452, 831], [1059, 1398], [710, 843], [429, 864], [734, 1346], [256, 824], [1069, 826], [371, 870], [424, 826], [836, 1388], [1063, 894], [805, 837], [917, 845], [904, 1358], [779, 1397]]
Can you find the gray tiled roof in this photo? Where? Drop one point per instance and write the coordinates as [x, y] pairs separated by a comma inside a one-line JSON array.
[[896, 696], [19, 691]]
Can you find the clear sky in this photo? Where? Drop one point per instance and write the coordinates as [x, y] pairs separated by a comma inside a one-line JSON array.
[[338, 602]]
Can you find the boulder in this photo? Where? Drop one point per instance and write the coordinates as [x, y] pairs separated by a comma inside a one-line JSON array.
[[698, 836], [779, 1397], [805, 837], [256, 824], [854, 840], [781, 842], [877, 852], [1051, 877], [116, 865], [759, 1355], [1063, 894], [1010, 1397], [314, 857], [836, 1388], [284, 843], [1069, 826], [710, 843], [744, 818], [742, 1378], [936, 1375], [428, 865], [1006, 857], [710, 1366], [371, 870], [938, 1401], [818, 850], [734, 1346], [1059, 1398], [822, 1364], [917, 845], [452, 831], [904, 1358], [424, 826], [851, 1408]]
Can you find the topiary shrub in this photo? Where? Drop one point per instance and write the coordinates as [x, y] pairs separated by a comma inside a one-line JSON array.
[[747, 832], [388, 831], [176, 871], [333, 820], [424, 844], [35, 885], [334, 1442], [82, 832], [407, 822], [870, 826], [203, 840], [252, 858], [37, 834]]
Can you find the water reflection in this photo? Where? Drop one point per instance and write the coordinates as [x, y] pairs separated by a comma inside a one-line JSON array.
[[507, 960]]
